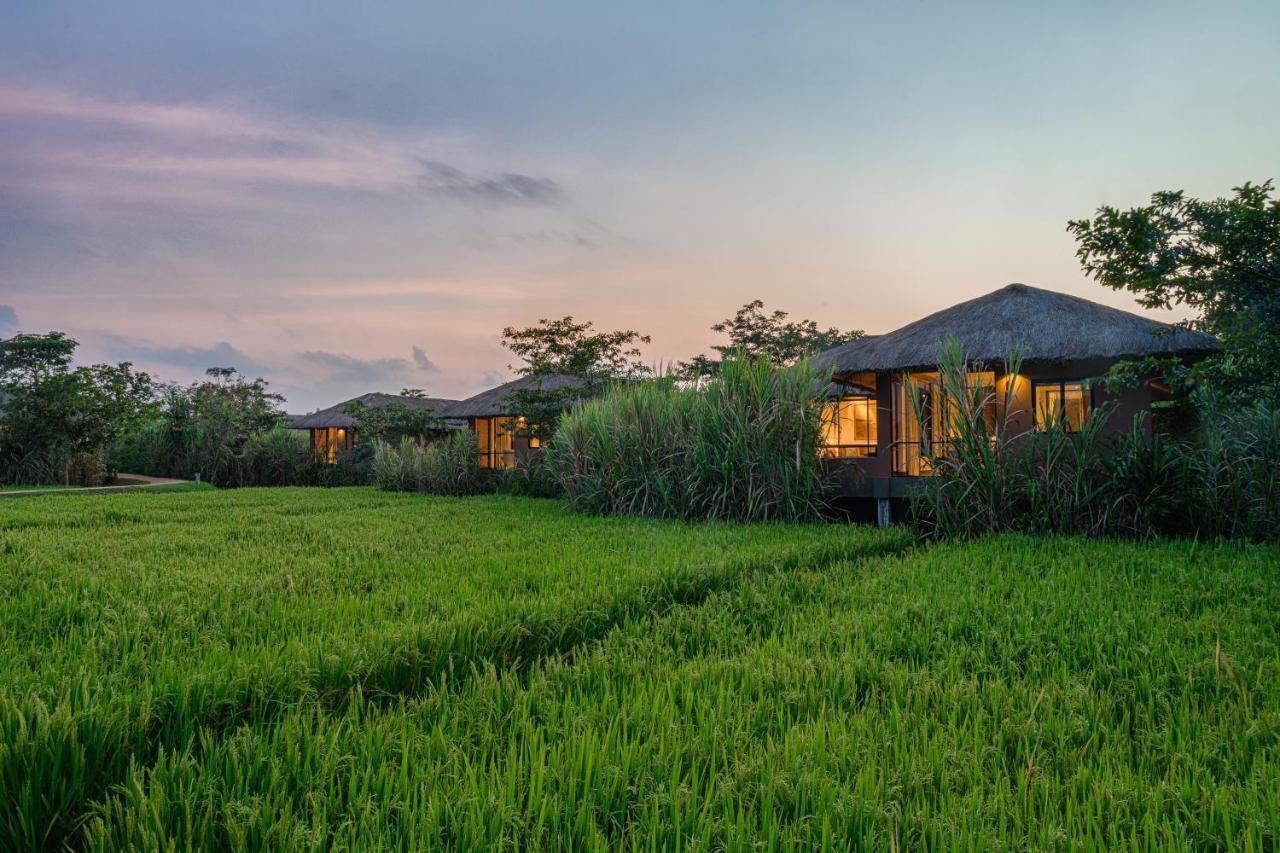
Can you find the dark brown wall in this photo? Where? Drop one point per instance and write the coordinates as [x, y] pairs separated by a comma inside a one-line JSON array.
[[881, 464]]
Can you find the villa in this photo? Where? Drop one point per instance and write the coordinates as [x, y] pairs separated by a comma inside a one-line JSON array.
[[334, 430], [498, 427], [887, 426], [1063, 342]]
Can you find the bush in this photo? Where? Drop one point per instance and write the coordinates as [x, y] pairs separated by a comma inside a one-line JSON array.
[[274, 456], [227, 431], [532, 477], [271, 457], [1221, 479], [745, 447], [449, 466]]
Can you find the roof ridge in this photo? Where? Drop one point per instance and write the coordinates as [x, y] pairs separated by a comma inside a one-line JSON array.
[[1047, 325]]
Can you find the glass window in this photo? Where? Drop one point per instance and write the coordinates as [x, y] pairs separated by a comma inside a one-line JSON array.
[[328, 442], [496, 440], [913, 425], [504, 442], [1064, 403], [849, 428], [926, 418], [534, 441], [482, 440]]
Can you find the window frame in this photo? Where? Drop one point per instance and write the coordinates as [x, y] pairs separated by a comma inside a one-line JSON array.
[[328, 442], [1086, 394], [490, 454], [933, 435], [855, 449]]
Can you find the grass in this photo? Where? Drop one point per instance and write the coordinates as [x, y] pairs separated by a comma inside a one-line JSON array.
[[137, 624], [109, 489], [1220, 477], [683, 692], [1006, 693], [742, 446], [28, 487]]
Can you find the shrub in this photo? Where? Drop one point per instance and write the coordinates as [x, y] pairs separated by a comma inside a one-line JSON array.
[[88, 468], [744, 447], [449, 466], [275, 457], [1222, 479], [227, 430], [271, 457], [532, 477]]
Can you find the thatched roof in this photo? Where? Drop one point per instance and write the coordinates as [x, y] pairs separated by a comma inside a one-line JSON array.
[[494, 402], [1041, 325], [336, 416]]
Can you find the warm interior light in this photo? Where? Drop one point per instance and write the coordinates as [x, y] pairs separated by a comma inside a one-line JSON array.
[[849, 427]]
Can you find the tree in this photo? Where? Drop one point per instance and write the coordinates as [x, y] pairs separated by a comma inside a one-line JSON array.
[[566, 348], [58, 419], [233, 404], [392, 422], [768, 336], [26, 360], [1220, 258], [213, 428]]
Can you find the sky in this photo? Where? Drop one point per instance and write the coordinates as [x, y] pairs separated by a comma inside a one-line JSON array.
[[346, 197]]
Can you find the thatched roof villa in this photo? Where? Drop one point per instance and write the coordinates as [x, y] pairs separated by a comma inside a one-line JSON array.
[[492, 417], [334, 429], [1042, 325], [1063, 341], [1064, 344]]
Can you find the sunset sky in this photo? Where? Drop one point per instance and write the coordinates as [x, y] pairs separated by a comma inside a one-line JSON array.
[[346, 197]]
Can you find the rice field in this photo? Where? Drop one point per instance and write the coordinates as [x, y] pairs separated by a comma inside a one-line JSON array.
[[348, 669], [136, 624]]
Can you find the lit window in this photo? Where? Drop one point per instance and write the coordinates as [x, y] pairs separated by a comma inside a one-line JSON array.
[[328, 442], [482, 440], [1065, 403], [849, 428], [927, 419], [534, 441], [496, 440]]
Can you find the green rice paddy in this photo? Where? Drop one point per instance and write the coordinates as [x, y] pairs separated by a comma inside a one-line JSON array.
[[350, 669]]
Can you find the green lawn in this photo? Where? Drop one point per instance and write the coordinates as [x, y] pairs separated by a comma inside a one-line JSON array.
[[346, 668]]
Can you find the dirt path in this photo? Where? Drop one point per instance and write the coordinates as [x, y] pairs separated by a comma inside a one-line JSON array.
[[145, 483]]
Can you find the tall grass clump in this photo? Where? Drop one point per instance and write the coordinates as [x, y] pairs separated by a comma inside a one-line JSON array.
[[1223, 480], [270, 457], [991, 475], [449, 466], [744, 447]]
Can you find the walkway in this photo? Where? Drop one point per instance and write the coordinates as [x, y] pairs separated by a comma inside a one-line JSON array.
[[144, 483]]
